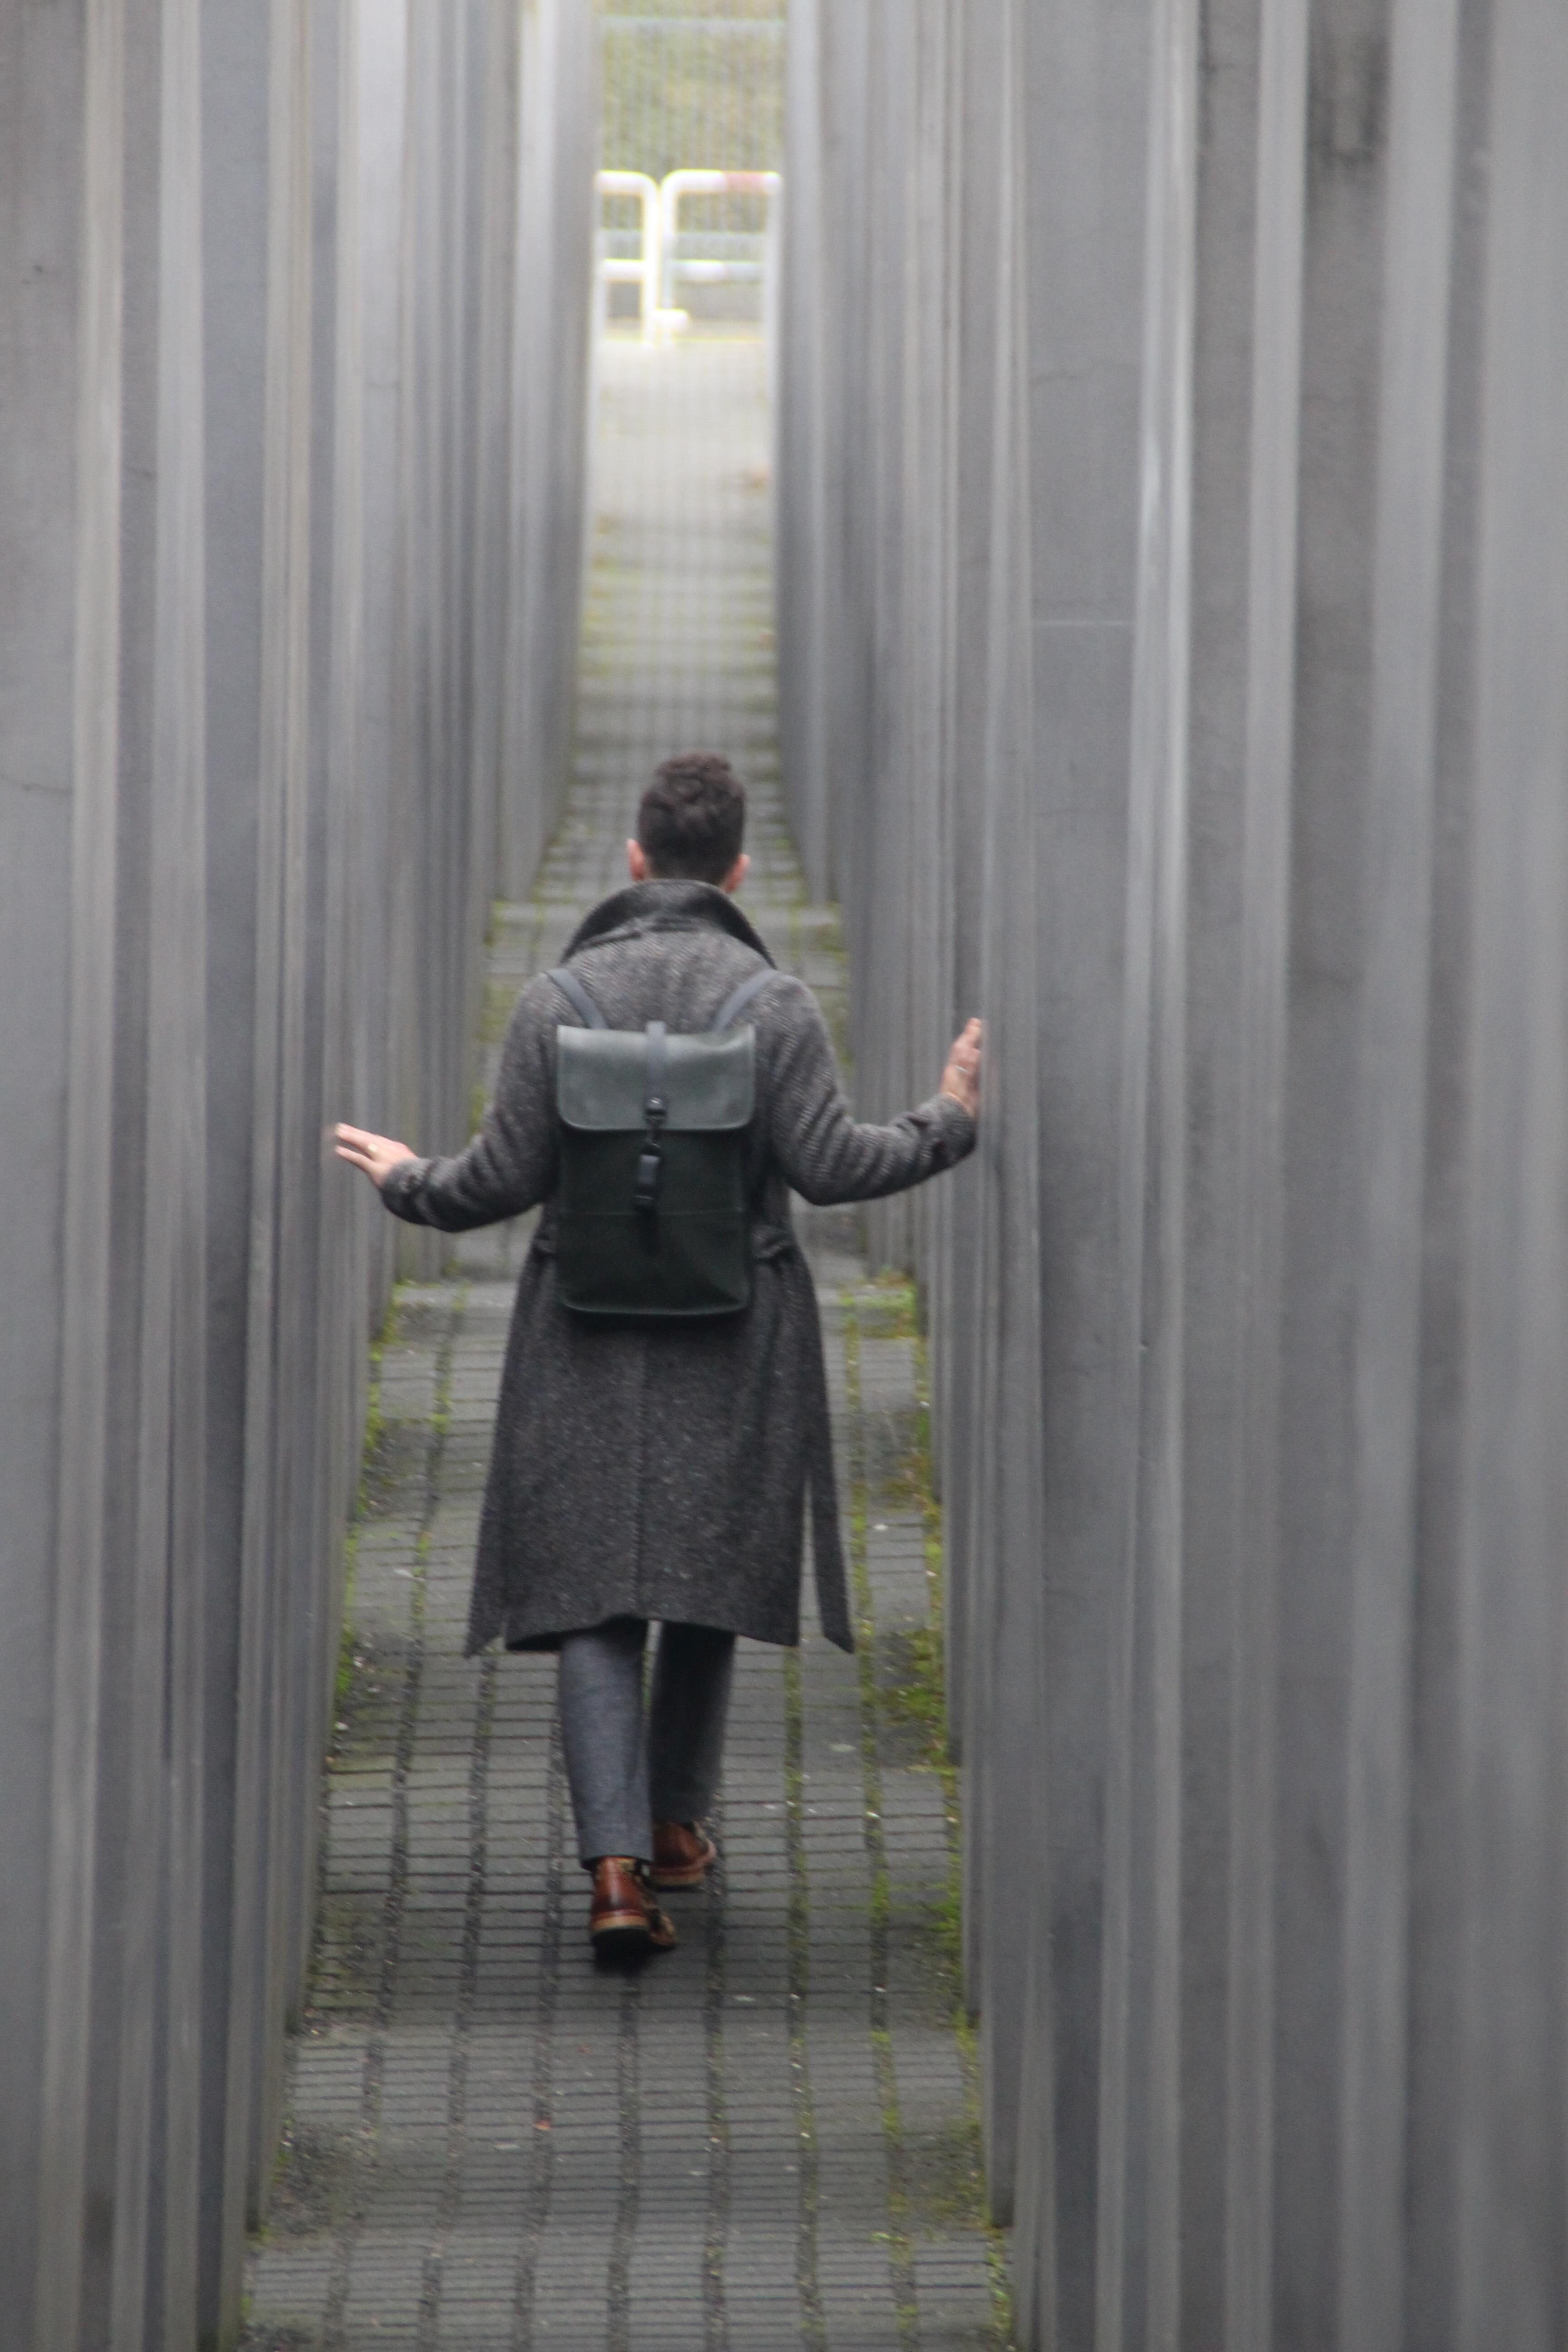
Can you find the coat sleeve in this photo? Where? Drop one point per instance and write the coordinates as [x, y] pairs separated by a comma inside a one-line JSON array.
[[827, 1154], [512, 1163]]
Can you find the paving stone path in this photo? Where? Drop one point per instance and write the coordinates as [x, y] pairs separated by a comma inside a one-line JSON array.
[[766, 2138]]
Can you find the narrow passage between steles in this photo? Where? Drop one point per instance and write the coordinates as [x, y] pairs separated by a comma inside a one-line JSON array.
[[765, 2139]]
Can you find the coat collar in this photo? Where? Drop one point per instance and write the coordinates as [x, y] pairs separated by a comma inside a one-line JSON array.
[[645, 907]]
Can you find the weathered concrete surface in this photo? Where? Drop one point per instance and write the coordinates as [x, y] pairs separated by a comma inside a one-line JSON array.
[[266, 265], [1174, 514], [768, 2139]]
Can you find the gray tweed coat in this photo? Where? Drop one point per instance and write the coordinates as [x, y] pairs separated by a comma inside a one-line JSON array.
[[662, 1471]]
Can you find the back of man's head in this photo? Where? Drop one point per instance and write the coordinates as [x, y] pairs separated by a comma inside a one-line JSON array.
[[691, 826]]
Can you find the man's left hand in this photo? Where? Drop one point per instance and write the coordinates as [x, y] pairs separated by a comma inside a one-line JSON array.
[[961, 1080]]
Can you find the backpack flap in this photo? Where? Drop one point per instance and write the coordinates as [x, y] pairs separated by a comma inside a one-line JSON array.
[[706, 1083]]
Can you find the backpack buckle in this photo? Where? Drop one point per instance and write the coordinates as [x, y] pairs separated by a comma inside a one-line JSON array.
[[650, 1161], [650, 1175]]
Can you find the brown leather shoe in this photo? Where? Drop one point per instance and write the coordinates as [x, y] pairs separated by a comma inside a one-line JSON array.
[[683, 1853], [624, 1916]]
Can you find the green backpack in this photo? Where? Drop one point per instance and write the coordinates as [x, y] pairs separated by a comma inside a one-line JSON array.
[[652, 1221]]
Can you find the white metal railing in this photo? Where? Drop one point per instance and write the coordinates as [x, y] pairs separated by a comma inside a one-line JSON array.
[[669, 256], [644, 268]]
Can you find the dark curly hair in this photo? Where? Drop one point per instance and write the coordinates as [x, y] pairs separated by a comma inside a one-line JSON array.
[[693, 820]]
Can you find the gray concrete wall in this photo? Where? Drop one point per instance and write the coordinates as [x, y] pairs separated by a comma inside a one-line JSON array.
[[293, 337], [1174, 611]]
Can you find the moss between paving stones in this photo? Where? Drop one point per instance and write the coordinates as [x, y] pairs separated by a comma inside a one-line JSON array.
[[314, 2183], [367, 1499], [940, 2178]]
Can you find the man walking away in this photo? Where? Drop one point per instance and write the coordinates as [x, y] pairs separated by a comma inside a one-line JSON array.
[[653, 1467]]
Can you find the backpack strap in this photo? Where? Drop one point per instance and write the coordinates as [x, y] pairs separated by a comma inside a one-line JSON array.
[[658, 1060], [656, 1110], [577, 996], [730, 1012], [736, 1002]]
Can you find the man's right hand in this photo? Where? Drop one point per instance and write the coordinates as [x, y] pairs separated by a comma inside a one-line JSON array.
[[961, 1080], [374, 1155]]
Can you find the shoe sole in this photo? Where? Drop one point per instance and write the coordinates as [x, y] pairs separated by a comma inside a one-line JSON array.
[[614, 1942], [624, 1933]]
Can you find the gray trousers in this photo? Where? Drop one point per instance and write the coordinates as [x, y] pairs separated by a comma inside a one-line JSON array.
[[628, 1766]]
